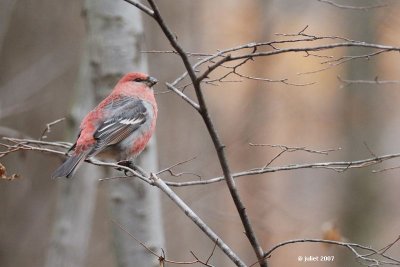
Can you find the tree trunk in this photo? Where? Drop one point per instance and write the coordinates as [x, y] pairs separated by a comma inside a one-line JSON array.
[[116, 40], [76, 196], [359, 212], [6, 11]]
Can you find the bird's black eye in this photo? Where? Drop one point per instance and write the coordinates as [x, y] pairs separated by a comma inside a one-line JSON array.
[[138, 80]]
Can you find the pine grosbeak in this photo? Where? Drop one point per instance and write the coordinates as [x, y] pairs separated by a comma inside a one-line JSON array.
[[120, 126]]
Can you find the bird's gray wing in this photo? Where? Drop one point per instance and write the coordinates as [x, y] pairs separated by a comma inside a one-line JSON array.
[[126, 115]]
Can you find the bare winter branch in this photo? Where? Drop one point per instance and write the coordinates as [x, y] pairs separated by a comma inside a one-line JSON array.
[[142, 7], [172, 173], [183, 96], [48, 128], [285, 149], [240, 54], [375, 81], [338, 166], [294, 148], [152, 179], [363, 254], [161, 258], [362, 8], [206, 71]]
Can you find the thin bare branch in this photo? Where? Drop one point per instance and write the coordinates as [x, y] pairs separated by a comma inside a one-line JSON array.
[[183, 96], [137, 240], [200, 261], [384, 48], [213, 67], [284, 81], [152, 179], [38, 142], [375, 81], [294, 148], [161, 258], [386, 169], [223, 53], [190, 54], [21, 145], [341, 60], [48, 128], [386, 248], [275, 51], [362, 8], [338, 166], [212, 252], [172, 173], [356, 249], [142, 7]]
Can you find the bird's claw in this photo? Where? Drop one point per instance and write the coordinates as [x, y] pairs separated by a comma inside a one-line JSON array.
[[126, 163]]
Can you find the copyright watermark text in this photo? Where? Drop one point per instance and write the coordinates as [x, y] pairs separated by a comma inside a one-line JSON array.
[[315, 258]]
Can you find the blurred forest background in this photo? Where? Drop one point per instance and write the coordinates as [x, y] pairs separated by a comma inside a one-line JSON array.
[[41, 45]]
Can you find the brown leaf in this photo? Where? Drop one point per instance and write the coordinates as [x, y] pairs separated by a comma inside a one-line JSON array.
[[2, 171], [3, 174], [330, 231]]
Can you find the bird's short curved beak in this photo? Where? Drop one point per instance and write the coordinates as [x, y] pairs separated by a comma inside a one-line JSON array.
[[151, 81]]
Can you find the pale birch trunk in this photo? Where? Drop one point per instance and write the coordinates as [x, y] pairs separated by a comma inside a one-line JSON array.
[[76, 196], [117, 40], [115, 37], [6, 11]]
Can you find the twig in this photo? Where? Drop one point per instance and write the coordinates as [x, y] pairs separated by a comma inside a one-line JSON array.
[[284, 81], [346, 43], [161, 258], [137, 240], [183, 96], [338, 166], [37, 142], [386, 169], [190, 54], [384, 48], [48, 128], [152, 179], [362, 8], [142, 7], [350, 246], [212, 252], [294, 148], [171, 172], [200, 261], [375, 81], [21, 144], [288, 149]]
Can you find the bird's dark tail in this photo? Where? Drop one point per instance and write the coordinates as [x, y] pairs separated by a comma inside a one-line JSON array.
[[67, 169]]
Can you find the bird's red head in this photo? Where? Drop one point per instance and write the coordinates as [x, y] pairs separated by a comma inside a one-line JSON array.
[[140, 78]]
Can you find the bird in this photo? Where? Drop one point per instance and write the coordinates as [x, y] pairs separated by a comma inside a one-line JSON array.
[[119, 127]]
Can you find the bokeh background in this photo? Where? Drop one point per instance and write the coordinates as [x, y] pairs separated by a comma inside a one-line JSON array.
[[41, 44]]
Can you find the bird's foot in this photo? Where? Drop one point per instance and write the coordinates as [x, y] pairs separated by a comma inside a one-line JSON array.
[[131, 165], [126, 163]]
